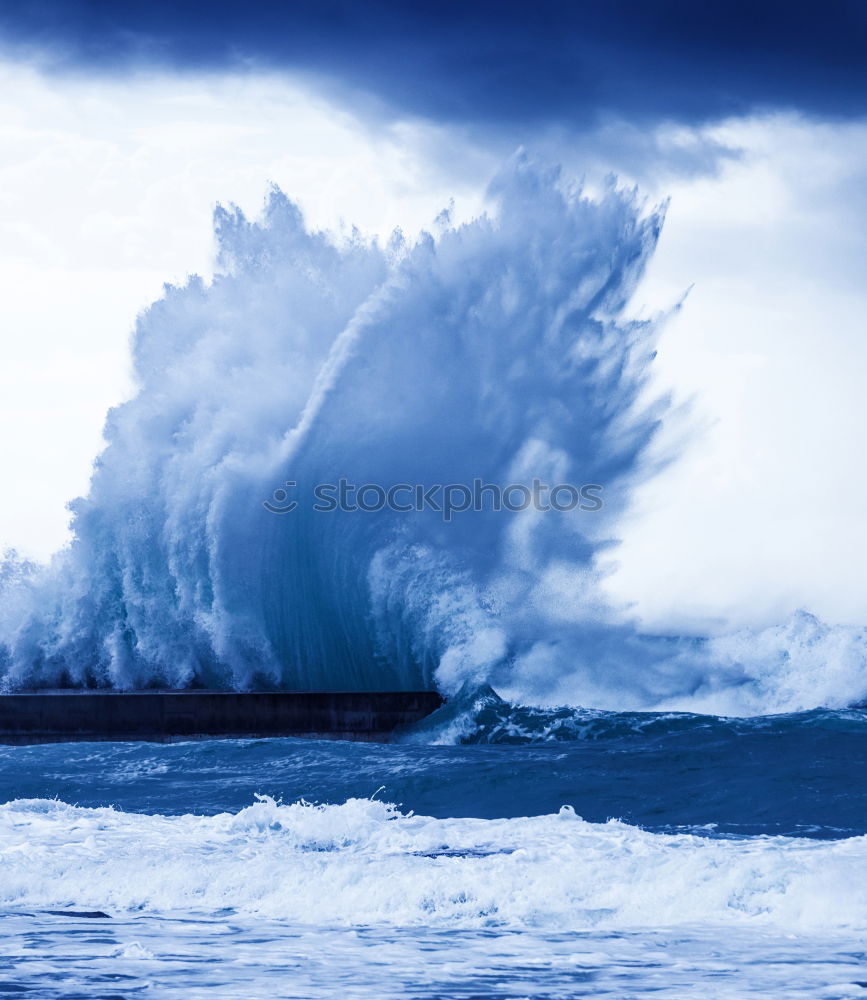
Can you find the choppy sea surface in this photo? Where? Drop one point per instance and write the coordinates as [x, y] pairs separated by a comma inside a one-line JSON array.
[[505, 853]]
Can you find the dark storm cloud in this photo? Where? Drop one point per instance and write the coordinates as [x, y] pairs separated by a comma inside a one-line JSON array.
[[542, 61]]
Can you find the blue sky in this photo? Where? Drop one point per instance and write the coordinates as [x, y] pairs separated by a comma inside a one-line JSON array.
[[123, 125]]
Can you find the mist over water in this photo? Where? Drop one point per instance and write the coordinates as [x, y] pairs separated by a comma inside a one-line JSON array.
[[500, 350]]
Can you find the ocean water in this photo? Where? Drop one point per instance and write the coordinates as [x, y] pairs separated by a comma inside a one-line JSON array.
[[560, 854], [596, 811]]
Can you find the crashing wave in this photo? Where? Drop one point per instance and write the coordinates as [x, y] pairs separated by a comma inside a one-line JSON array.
[[499, 351]]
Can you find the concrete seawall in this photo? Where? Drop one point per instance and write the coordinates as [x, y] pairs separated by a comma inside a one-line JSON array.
[[164, 716]]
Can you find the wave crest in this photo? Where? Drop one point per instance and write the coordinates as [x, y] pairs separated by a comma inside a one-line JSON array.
[[499, 350]]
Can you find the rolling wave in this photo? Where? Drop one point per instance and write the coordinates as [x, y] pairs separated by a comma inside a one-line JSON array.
[[366, 863]]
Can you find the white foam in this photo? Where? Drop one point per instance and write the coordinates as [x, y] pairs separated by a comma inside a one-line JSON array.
[[363, 862]]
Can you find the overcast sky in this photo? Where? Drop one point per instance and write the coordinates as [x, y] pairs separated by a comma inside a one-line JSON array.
[[121, 127]]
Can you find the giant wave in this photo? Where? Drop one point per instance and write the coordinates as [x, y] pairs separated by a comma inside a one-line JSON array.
[[502, 350]]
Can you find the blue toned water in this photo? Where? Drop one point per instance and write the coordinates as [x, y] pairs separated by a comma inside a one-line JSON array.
[[693, 825], [504, 351], [795, 775], [548, 854]]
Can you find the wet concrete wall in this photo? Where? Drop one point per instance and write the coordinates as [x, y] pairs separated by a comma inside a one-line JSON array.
[[58, 716]]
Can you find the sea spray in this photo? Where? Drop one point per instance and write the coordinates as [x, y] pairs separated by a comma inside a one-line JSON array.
[[500, 351], [496, 350]]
